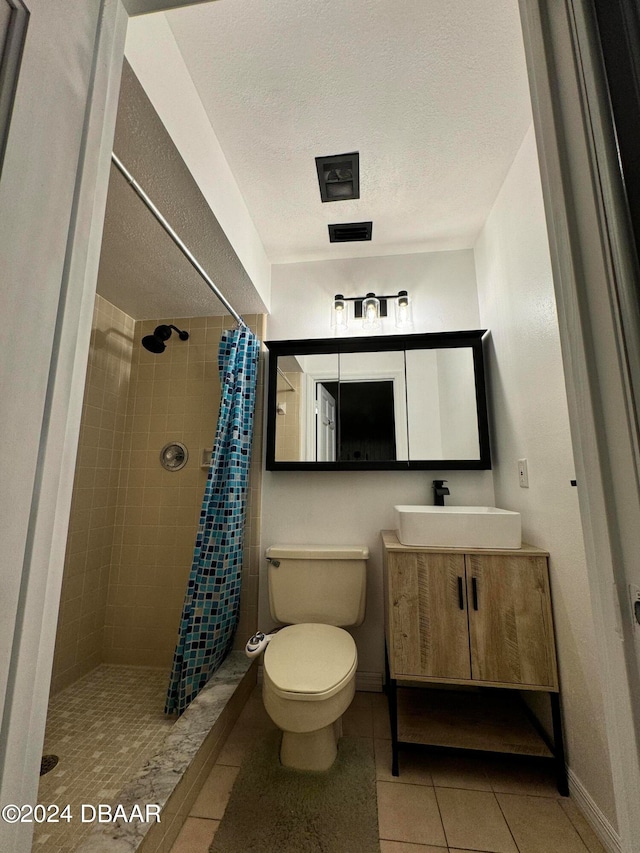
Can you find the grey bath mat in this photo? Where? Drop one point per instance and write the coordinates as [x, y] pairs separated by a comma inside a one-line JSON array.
[[276, 810]]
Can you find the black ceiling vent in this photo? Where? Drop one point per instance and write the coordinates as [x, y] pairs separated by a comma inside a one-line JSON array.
[[349, 232], [339, 176]]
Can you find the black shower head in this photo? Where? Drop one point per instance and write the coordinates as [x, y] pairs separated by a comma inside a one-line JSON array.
[[156, 342]]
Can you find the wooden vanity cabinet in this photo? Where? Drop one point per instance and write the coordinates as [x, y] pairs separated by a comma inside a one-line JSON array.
[[510, 623], [428, 635], [480, 618]]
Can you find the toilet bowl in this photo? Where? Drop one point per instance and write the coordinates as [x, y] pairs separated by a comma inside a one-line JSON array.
[[310, 665], [308, 684]]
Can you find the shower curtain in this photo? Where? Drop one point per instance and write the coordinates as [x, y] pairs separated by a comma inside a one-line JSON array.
[[211, 606]]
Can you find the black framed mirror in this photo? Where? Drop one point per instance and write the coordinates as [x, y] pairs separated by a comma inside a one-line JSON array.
[[394, 402]]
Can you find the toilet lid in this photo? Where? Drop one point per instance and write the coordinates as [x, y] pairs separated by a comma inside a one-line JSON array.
[[310, 659]]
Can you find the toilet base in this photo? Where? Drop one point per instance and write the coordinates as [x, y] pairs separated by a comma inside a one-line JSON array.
[[311, 750]]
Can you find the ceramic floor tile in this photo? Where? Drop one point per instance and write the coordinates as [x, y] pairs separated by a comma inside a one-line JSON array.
[[473, 820], [409, 813], [539, 824], [414, 769], [380, 708], [103, 728], [254, 714], [240, 742], [459, 771], [362, 700], [357, 721], [580, 823], [405, 847], [514, 775], [195, 836], [214, 796]]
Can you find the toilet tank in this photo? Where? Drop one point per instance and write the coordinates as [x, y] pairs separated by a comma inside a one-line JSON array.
[[318, 584]]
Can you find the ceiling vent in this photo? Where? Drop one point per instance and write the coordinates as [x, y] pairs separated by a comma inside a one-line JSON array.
[[349, 232], [339, 176]]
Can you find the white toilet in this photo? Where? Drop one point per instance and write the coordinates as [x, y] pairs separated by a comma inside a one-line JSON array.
[[310, 666]]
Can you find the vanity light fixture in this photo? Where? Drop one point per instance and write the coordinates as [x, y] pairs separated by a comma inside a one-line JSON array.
[[371, 313], [404, 314], [371, 309], [339, 314]]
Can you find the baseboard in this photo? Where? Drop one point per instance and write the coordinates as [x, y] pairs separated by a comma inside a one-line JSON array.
[[598, 822], [370, 682]]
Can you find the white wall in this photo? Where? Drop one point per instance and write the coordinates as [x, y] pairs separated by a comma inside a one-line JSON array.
[[442, 286], [157, 62], [352, 507], [529, 419]]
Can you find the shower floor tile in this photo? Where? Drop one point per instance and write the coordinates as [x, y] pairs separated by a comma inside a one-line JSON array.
[[103, 728]]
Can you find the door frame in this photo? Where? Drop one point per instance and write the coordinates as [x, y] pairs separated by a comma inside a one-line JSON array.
[[46, 335], [590, 257], [595, 283]]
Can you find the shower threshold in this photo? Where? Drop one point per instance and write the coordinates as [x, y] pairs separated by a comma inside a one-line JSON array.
[[169, 782]]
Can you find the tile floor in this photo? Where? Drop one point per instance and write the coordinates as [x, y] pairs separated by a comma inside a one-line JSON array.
[[103, 728], [438, 804]]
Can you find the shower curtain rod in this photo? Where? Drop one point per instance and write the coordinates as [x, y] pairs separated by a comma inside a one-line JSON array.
[[183, 248], [283, 375]]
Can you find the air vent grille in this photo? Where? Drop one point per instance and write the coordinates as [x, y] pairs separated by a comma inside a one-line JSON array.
[[339, 176], [348, 232]]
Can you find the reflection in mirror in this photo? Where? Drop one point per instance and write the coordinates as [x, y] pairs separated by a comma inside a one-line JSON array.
[[306, 427], [442, 414], [372, 407], [379, 403]]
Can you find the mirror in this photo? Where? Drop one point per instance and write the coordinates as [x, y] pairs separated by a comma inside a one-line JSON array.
[[389, 402]]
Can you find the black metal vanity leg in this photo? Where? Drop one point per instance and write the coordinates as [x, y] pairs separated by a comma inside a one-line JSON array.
[[392, 698], [558, 745]]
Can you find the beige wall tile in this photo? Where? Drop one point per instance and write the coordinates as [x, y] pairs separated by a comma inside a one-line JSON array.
[[82, 607], [133, 525]]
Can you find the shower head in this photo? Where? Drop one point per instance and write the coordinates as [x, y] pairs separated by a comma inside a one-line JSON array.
[[156, 342]]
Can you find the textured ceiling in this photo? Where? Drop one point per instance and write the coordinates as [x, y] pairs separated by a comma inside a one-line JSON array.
[[141, 270], [432, 93]]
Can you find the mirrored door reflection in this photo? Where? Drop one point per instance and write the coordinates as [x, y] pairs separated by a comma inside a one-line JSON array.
[[372, 407], [442, 413], [306, 408]]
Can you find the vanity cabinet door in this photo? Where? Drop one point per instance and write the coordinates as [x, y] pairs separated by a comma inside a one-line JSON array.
[[428, 632], [510, 622]]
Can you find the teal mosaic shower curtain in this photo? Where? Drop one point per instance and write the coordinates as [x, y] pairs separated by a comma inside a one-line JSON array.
[[211, 606]]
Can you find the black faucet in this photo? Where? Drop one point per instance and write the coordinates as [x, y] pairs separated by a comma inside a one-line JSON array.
[[440, 490]]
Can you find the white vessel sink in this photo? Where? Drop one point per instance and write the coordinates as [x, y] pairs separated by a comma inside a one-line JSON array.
[[458, 526]]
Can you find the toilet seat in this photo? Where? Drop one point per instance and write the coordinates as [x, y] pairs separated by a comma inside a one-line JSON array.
[[310, 661]]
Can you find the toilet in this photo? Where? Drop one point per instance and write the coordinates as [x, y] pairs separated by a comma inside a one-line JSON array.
[[310, 665]]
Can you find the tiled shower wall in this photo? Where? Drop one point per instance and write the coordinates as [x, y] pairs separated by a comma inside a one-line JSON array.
[[133, 524], [173, 397], [288, 422], [95, 496]]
